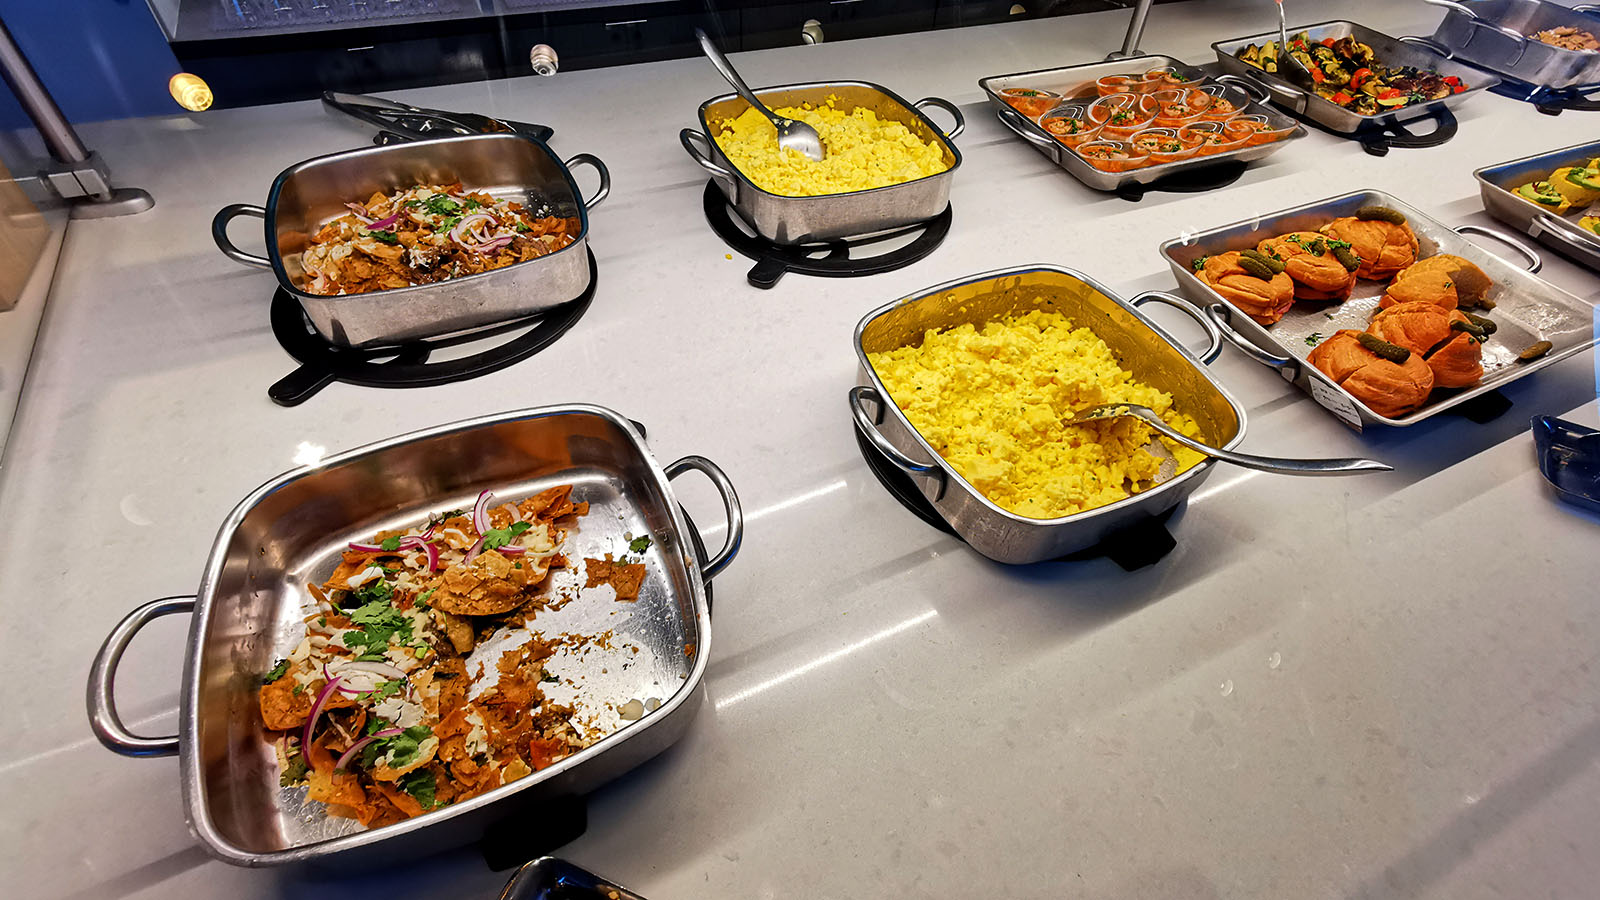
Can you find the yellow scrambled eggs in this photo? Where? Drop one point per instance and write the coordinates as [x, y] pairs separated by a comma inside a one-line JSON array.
[[861, 151], [991, 401]]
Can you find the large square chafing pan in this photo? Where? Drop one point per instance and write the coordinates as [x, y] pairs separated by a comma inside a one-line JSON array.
[[1390, 51], [827, 217], [292, 530], [1144, 348], [1497, 183], [1498, 35], [307, 195], [1078, 82], [1527, 308]]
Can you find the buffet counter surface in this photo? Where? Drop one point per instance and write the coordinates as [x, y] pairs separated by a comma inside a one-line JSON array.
[[1383, 686]]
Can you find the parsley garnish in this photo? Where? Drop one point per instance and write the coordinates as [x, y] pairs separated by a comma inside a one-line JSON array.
[[413, 203], [639, 544], [1313, 338], [391, 543], [441, 205], [523, 229], [495, 538], [421, 786], [470, 203], [276, 672], [385, 237]]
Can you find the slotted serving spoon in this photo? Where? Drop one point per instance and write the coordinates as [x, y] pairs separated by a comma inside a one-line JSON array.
[[1343, 466], [1295, 71], [792, 135]]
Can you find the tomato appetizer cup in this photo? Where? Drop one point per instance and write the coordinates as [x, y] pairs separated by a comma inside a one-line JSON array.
[[1210, 138], [1179, 107], [1031, 102], [1120, 115], [1112, 156], [1254, 130], [1163, 145], [1165, 78], [1070, 125], [1116, 84]]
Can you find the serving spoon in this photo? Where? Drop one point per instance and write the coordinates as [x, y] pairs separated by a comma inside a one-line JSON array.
[[792, 135], [1295, 70], [1343, 466]]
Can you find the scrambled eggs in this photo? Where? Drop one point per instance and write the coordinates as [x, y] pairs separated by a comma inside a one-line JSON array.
[[861, 151], [992, 401]]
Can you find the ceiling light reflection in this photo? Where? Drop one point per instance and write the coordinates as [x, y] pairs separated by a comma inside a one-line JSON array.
[[782, 505], [831, 656]]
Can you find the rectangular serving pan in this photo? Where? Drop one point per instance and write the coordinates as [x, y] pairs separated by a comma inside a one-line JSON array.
[[1143, 346], [291, 531], [1496, 183], [1527, 309], [806, 220], [1494, 35], [1079, 82], [307, 195], [1391, 51]]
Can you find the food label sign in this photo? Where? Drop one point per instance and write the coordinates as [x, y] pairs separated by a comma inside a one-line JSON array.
[[1335, 401]]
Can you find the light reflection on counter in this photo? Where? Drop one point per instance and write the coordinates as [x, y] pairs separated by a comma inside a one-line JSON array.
[[812, 665]]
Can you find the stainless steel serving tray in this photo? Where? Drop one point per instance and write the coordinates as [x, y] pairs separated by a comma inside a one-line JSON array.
[[1078, 82], [307, 195], [1494, 35], [1497, 182], [1527, 308], [291, 531], [805, 220], [1143, 346], [1391, 51]]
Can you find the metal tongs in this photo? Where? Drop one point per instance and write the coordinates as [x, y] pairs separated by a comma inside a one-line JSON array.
[[402, 122]]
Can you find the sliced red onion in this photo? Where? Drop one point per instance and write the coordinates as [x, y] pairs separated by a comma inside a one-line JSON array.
[[413, 542], [494, 245], [472, 554], [373, 667], [516, 513], [356, 747], [512, 550], [367, 548], [459, 232], [360, 211], [480, 512], [316, 711], [382, 224]]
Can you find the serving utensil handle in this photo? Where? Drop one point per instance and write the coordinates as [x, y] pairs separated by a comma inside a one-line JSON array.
[[219, 233], [1278, 464], [103, 716], [730, 508], [594, 162], [947, 106], [1535, 261], [1213, 333], [728, 72], [1220, 316]]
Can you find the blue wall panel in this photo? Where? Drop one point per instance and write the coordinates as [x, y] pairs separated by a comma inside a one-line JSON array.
[[101, 59]]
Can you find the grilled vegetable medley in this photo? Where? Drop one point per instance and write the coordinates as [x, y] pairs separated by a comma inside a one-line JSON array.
[[1347, 72]]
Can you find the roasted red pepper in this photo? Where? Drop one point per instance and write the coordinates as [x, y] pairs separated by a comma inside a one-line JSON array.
[[1341, 98], [1359, 76]]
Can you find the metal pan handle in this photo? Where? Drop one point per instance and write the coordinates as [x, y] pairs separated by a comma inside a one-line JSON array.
[[1258, 94], [1544, 223], [103, 716], [730, 508], [1429, 45], [1478, 21], [867, 423], [1221, 316], [1589, 8], [219, 233], [691, 143], [594, 162], [947, 106], [1535, 262], [1013, 120], [1213, 333]]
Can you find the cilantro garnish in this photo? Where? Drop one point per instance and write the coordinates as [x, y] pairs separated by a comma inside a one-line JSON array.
[[1200, 262], [421, 786], [639, 544], [1313, 338], [376, 623], [294, 771], [413, 203], [495, 538], [389, 688], [391, 543], [375, 591], [422, 599], [276, 672], [385, 237], [523, 229], [470, 203], [441, 205]]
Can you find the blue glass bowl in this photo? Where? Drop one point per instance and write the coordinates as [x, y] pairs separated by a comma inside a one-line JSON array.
[[1569, 458]]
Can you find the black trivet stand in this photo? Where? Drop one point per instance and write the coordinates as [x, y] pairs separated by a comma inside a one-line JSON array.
[[1141, 544], [1549, 101], [840, 261], [406, 365], [1377, 139], [1192, 181]]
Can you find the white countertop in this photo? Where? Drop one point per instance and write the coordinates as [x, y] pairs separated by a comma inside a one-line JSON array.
[[1366, 687]]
